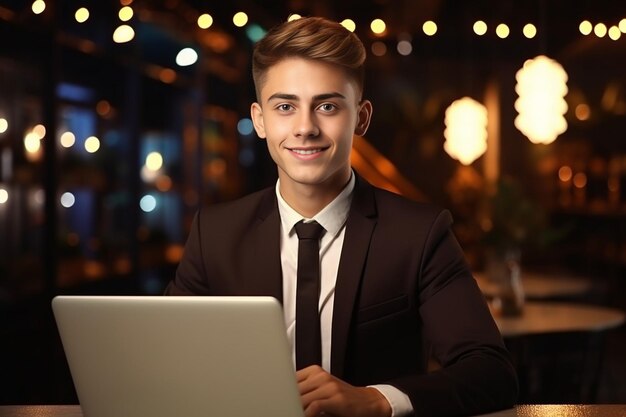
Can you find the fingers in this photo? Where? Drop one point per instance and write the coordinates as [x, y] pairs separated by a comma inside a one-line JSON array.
[[323, 394], [305, 373], [317, 389]]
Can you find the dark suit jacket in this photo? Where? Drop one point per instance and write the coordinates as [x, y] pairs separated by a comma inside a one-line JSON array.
[[403, 292]]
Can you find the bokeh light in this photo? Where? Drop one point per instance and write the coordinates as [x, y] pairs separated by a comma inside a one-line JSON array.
[[205, 21], [92, 144], [529, 30], [480, 27], [240, 19], [585, 27], [123, 34], [430, 28], [503, 31], [81, 15], [147, 203], [67, 139], [67, 199], [126, 13], [154, 161], [186, 57], [378, 26], [38, 6], [349, 24]]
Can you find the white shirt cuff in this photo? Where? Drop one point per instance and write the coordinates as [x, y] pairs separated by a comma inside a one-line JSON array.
[[400, 403]]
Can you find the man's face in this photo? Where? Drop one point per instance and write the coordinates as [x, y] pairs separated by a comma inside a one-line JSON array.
[[308, 114]]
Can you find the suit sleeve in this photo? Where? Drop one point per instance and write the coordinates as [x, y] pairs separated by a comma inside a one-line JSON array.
[[476, 374]]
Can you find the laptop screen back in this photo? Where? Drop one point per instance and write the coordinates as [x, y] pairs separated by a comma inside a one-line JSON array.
[[188, 356]]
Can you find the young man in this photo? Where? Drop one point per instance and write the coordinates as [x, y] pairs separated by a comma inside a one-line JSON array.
[[394, 288]]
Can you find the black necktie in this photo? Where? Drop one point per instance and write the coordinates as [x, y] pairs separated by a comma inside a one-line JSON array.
[[308, 333]]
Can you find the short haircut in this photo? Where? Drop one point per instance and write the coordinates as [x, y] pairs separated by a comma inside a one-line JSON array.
[[313, 38]]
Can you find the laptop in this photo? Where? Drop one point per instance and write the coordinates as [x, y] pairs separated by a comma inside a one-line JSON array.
[[158, 356]]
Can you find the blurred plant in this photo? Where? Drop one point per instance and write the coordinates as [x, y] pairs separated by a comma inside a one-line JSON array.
[[512, 220]]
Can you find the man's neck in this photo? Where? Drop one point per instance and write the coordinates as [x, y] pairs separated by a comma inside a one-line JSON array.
[[307, 199]]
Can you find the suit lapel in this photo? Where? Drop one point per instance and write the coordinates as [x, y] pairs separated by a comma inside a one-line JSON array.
[[359, 228], [262, 268]]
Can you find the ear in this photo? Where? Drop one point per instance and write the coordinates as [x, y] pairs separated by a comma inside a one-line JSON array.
[[364, 117], [256, 113]]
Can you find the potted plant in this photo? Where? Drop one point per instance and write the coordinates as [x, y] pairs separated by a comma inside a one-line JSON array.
[[511, 221]]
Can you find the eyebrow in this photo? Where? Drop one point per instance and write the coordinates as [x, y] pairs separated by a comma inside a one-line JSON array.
[[324, 96]]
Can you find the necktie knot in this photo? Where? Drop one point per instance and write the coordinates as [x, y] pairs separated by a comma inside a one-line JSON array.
[[312, 230]]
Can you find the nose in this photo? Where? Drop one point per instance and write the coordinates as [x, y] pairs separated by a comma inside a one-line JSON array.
[[306, 126]]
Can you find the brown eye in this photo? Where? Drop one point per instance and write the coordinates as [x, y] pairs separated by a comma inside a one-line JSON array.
[[327, 107]]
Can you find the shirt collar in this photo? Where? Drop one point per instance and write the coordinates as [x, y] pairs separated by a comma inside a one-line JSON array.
[[332, 217]]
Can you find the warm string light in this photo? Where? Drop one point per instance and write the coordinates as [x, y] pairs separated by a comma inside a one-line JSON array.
[[480, 28], [503, 31], [614, 33], [429, 28], [205, 21], [349, 24], [240, 19], [601, 30], [378, 27], [125, 33], [585, 27], [81, 15], [38, 6], [529, 30]]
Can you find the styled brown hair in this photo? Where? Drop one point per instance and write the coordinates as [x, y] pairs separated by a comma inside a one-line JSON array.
[[312, 38]]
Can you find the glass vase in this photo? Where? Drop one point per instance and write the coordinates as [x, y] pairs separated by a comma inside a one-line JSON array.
[[503, 271]]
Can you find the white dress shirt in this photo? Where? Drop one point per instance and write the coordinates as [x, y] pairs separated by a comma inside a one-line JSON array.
[[333, 220]]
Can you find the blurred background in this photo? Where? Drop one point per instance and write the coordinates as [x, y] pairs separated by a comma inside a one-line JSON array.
[[118, 118]]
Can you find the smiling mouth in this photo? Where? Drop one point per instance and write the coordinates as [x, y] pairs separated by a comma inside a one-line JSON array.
[[306, 151]]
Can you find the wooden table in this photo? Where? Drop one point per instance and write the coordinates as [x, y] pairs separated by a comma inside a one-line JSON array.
[[558, 349], [600, 410], [40, 411], [547, 410], [540, 286], [543, 317]]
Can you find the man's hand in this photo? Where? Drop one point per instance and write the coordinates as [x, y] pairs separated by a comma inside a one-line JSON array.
[[323, 394]]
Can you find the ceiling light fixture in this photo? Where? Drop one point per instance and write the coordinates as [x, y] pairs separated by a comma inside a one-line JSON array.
[[541, 88], [466, 130]]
